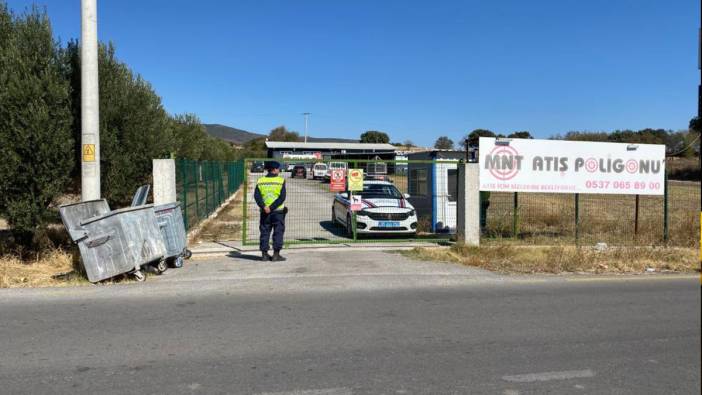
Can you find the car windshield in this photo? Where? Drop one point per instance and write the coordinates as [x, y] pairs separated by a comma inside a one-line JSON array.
[[380, 191], [320, 167]]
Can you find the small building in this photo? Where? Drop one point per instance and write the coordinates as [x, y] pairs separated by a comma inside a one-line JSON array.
[[433, 186], [330, 150]]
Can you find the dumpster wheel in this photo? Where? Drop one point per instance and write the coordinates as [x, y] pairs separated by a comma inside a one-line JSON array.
[[188, 254], [139, 276], [177, 262], [161, 266]]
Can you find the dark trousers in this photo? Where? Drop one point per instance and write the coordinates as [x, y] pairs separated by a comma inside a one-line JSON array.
[[275, 222]]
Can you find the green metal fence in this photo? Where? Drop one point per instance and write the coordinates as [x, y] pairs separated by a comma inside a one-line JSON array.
[[202, 186], [534, 218], [671, 219], [414, 203]]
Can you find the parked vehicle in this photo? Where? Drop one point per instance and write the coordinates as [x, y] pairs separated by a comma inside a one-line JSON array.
[[299, 171], [257, 167], [334, 166], [385, 210], [319, 171], [377, 171]]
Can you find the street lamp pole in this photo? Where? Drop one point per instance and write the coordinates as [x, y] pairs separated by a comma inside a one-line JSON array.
[[306, 114], [90, 103]]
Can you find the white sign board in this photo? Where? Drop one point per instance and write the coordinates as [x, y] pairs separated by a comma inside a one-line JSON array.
[[356, 203], [556, 166]]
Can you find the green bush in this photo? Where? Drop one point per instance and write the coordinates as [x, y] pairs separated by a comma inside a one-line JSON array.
[[40, 126], [35, 124]]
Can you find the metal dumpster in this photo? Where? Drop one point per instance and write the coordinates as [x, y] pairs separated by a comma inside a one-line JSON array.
[[170, 222], [113, 242]]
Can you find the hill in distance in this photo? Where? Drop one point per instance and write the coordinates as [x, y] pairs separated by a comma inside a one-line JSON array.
[[239, 137], [229, 134]]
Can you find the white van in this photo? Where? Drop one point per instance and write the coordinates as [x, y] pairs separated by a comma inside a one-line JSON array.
[[334, 166], [319, 171]]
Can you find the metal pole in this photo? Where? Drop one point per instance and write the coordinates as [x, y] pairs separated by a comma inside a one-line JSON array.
[[665, 208], [184, 190], [306, 114], [196, 169], [245, 203], [636, 217], [90, 103], [353, 213], [577, 217], [515, 207]]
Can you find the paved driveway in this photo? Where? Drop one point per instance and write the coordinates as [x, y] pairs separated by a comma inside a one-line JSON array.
[[309, 205]]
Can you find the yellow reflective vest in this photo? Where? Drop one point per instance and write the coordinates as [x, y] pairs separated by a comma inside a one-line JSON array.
[[270, 188]]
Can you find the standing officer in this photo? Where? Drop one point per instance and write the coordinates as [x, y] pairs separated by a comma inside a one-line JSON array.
[[269, 196]]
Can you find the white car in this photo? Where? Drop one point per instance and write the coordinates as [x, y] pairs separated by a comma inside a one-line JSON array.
[[319, 171], [334, 166], [384, 210]]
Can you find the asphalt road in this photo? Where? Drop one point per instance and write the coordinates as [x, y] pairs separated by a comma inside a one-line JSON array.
[[385, 326]]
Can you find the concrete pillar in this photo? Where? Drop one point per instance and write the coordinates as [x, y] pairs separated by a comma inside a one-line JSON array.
[[164, 181], [90, 103], [468, 205]]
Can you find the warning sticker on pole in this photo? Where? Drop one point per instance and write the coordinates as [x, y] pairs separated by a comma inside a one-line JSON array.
[[88, 152], [337, 183], [356, 180]]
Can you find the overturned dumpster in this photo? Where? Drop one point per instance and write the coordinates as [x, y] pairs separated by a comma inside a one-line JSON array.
[[114, 242]]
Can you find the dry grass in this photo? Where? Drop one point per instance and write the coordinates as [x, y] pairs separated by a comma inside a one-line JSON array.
[[227, 225], [508, 258], [54, 268], [608, 218]]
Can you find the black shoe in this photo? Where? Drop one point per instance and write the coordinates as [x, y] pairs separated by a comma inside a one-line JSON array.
[[277, 257], [265, 257]]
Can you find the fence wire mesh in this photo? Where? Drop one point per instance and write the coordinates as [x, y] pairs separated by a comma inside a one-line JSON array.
[[429, 189], [612, 219], [400, 200], [202, 186]]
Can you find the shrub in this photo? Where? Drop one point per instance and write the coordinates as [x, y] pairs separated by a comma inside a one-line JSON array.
[[35, 124]]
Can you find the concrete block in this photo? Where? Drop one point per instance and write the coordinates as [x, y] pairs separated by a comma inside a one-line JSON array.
[[468, 205], [164, 181]]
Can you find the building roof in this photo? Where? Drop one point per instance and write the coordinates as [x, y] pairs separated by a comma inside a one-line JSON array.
[[438, 154], [329, 146]]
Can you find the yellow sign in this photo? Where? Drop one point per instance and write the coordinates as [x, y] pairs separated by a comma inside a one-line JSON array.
[[88, 152], [356, 180]]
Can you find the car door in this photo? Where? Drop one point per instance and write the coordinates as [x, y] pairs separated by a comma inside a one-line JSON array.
[[339, 210]]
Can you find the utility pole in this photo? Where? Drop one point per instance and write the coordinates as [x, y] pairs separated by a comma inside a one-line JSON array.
[[90, 102], [306, 114]]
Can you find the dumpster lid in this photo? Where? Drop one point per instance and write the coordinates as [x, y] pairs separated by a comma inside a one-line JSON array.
[[73, 214], [141, 195], [166, 206], [116, 212]]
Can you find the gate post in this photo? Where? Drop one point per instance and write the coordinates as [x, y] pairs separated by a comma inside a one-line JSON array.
[[468, 205], [164, 176]]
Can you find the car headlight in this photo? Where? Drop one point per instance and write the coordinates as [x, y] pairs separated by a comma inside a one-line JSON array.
[[362, 213], [412, 213]]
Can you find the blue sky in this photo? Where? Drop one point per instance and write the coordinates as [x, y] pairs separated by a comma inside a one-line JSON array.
[[414, 69]]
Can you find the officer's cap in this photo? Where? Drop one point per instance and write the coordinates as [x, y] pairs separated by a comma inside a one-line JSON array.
[[271, 164]]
